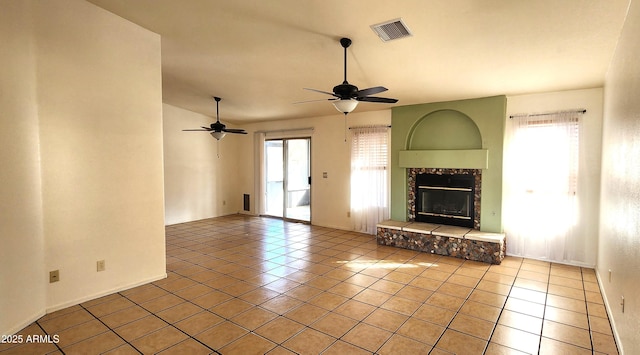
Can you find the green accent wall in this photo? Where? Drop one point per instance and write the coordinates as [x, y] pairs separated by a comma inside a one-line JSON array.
[[432, 132]]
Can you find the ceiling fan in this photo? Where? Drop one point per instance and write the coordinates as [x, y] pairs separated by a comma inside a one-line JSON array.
[[347, 96], [217, 129]]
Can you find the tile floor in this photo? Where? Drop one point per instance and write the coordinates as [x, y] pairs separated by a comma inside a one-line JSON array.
[[249, 285]]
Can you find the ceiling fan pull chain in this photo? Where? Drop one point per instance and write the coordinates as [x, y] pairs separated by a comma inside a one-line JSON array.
[[345, 128]]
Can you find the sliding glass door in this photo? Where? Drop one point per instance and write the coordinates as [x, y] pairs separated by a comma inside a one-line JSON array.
[[288, 185]]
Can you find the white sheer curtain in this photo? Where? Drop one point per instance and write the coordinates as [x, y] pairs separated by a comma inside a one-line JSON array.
[[369, 177], [259, 183], [542, 211]]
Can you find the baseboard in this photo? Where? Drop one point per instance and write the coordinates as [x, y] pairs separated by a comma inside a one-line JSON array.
[[607, 307], [248, 213], [568, 263], [25, 323], [103, 293], [29, 320]]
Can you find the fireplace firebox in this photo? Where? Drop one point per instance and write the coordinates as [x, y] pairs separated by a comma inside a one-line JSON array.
[[445, 199]]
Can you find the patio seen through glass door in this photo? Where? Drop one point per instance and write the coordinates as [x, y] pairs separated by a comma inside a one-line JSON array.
[[288, 188]]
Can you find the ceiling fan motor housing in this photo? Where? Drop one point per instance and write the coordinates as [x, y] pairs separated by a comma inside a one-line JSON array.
[[218, 126], [348, 94], [218, 129], [345, 90]]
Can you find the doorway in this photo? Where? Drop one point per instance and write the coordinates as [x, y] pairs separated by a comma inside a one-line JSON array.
[[288, 178]]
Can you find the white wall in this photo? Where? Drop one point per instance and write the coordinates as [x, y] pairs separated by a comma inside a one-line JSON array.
[[329, 153], [100, 109], [197, 181], [81, 150], [619, 242], [590, 150], [202, 178], [22, 271]]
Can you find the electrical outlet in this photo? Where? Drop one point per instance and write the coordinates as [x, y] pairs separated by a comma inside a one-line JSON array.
[[54, 276], [100, 265]]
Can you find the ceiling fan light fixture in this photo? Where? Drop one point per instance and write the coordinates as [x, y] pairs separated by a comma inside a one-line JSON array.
[[217, 129], [218, 135], [345, 105], [346, 96]]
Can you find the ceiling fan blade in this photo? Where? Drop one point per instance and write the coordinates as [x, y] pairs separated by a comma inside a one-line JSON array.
[[383, 100], [322, 92], [201, 130], [371, 91], [346, 92], [307, 101], [234, 130]]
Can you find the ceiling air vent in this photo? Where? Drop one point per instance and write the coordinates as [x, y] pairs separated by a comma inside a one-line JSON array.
[[391, 30]]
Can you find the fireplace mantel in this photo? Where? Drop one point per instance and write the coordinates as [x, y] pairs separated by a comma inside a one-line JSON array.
[[445, 159]]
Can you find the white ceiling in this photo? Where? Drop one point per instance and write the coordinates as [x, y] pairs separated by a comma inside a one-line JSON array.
[[258, 55]]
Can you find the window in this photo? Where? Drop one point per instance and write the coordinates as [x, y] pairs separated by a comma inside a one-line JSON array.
[[369, 177], [541, 186]]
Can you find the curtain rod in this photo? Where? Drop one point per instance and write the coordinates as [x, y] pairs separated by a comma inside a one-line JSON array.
[[371, 126], [547, 113], [286, 130]]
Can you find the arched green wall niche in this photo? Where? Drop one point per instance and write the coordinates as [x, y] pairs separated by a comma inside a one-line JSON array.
[[465, 126], [444, 129]]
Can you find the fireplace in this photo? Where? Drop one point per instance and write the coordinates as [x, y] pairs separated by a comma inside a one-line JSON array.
[[445, 196], [445, 199]]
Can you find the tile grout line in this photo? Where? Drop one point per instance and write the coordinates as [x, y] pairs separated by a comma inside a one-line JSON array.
[[230, 242], [544, 311], [361, 321], [409, 317], [511, 286], [415, 276], [46, 332], [502, 309], [358, 322], [586, 306], [110, 329], [305, 326], [169, 324], [456, 312]]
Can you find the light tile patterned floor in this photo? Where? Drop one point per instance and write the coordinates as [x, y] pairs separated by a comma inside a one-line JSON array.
[[249, 285]]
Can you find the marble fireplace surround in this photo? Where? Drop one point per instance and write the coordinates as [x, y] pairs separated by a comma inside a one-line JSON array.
[[411, 189]]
